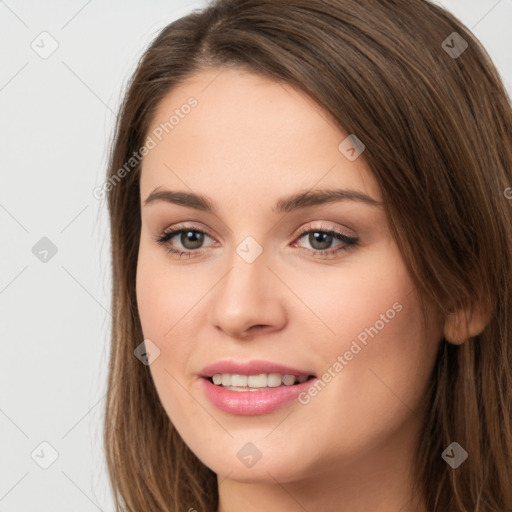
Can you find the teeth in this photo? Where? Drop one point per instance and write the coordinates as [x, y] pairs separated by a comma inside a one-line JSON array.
[[274, 380], [263, 380], [255, 381], [239, 380], [288, 380]]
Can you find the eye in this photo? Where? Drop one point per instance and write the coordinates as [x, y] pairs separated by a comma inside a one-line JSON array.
[[190, 237], [320, 238]]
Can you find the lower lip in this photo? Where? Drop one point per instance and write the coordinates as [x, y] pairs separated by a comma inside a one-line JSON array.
[[250, 403]]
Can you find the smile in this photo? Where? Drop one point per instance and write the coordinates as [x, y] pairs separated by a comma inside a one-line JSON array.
[[253, 388]]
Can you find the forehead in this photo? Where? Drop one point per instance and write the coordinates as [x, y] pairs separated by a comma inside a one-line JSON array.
[[247, 132]]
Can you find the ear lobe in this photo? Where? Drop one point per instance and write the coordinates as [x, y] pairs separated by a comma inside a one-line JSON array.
[[463, 324]]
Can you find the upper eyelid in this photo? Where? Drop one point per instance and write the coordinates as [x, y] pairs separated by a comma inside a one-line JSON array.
[[178, 228]]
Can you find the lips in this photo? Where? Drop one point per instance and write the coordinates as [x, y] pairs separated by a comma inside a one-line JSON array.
[[253, 399]]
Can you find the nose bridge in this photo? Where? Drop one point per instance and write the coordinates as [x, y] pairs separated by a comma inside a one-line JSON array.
[[249, 294], [248, 279]]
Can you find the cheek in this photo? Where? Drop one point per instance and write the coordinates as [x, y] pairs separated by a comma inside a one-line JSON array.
[[167, 301], [373, 313], [371, 300], [164, 293], [379, 359]]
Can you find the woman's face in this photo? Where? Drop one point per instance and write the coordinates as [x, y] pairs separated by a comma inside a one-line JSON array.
[[255, 294]]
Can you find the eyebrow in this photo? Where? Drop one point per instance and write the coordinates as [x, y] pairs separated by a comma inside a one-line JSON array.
[[297, 201]]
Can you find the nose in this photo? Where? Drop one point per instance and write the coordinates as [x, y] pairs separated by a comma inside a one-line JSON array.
[[248, 300]]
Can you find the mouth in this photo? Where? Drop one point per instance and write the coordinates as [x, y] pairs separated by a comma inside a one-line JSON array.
[[253, 388]]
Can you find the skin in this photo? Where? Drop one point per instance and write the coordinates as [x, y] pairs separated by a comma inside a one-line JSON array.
[[249, 142]]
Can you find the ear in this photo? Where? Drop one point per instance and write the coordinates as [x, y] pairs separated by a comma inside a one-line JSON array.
[[463, 324]]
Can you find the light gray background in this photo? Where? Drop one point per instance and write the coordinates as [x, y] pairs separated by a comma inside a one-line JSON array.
[[56, 122]]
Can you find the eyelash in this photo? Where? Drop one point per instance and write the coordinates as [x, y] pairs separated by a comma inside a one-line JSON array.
[[349, 242]]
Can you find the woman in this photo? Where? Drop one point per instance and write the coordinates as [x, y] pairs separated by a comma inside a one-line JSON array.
[[312, 264]]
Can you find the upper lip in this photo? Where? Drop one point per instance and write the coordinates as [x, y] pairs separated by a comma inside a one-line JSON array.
[[250, 368]]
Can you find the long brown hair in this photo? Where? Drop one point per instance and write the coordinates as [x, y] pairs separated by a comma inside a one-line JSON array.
[[437, 125]]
